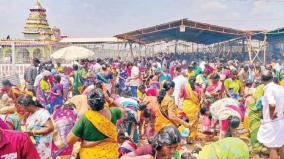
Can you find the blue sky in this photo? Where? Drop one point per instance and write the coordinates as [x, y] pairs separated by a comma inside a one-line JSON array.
[[105, 18]]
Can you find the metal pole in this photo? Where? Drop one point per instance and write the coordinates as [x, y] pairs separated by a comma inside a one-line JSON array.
[[13, 58], [249, 45], [131, 50], [264, 49]]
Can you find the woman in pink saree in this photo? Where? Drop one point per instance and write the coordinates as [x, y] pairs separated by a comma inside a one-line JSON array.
[[213, 92], [64, 119]]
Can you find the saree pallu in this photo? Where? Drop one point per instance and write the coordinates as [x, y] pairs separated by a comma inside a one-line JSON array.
[[191, 108], [105, 149], [64, 120], [41, 96], [254, 124], [255, 115], [228, 148], [161, 121]]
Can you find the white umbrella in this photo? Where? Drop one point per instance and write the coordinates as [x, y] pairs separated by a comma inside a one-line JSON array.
[[72, 53]]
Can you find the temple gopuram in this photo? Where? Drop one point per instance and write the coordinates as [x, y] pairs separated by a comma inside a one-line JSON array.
[[39, 39]]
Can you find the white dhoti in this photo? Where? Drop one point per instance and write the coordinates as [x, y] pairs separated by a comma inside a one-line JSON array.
[[271, 134]]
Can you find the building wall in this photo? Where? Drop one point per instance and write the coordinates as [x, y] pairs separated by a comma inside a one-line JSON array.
[[24, 54]]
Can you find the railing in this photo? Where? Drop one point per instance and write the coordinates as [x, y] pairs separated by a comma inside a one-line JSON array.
[[10, 69]]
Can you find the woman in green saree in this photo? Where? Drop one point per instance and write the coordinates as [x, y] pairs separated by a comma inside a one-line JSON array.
[[77, 80], [228, 148], [255, 114], [96, 129]]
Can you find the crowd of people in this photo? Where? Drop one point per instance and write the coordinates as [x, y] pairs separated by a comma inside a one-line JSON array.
[[150, 107]]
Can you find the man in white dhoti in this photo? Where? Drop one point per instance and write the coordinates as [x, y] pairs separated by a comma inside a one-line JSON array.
[[271, 131]]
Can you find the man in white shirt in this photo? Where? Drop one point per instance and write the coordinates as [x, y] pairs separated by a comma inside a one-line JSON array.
[[179, 81], [134, 80], [271, 131], [38, 79], [97, 67]]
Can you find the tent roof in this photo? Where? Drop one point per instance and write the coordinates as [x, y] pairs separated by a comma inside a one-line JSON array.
[[272, 36], [196, 32], [92, 40]]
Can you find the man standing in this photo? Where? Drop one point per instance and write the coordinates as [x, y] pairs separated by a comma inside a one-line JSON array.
[[134, 80], [272, 125], [179, 81], [30, 75], [16, 145]]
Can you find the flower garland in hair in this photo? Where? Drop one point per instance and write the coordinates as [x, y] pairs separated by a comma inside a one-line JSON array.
[[34, 99], [36, 102]]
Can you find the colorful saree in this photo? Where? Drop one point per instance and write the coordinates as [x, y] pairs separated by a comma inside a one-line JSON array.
[[107, 149], [36, 121], [190, 107], [64, 119], [122, 80], [233, 87], [41, 94], [77, 83], [255, 115], [56, 100], [162, 118], [228, 148]]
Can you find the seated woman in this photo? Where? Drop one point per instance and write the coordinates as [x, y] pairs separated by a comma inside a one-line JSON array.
[[163, 145], [232, 86], [11, 90], [231, 148], [96, 129], [17, 120], [9, 94], [39, 125], [7, 105]]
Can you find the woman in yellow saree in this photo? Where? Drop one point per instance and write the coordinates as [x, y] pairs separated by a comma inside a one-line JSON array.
[[167, 111], [190, 107], [96, 129]]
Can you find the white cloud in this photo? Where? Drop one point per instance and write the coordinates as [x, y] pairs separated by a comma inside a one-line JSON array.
[[261, 8], [213, 6]]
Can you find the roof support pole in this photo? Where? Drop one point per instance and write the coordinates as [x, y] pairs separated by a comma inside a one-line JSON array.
[[117, 49], [197, 48], [231, 50], [131, 50], [145, 53], [264, 49], [249, 45], [176, 47]]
